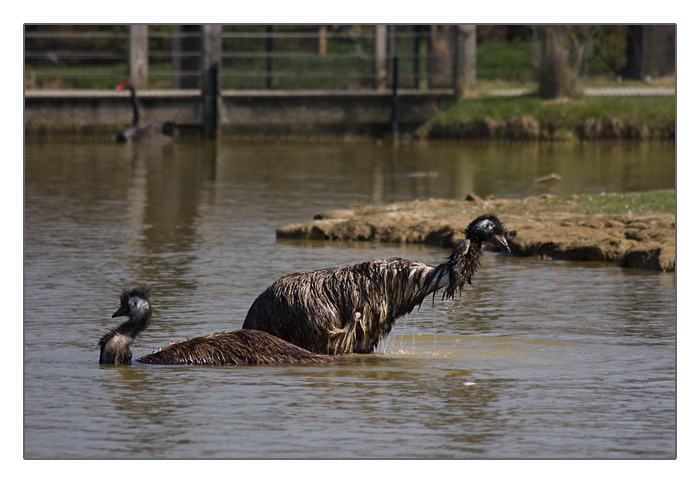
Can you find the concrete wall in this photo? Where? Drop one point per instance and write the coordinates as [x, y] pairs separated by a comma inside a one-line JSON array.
[[243, 113]]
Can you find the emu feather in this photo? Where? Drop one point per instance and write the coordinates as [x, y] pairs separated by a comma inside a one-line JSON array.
[[232, 347], [350, 308]]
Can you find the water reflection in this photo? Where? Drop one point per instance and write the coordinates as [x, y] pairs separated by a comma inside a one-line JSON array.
[[536, 359]]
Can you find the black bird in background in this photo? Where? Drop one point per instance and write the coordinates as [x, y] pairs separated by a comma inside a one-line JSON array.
[[141, 131]]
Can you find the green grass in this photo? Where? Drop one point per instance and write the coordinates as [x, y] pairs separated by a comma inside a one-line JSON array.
[[651, 111], [644, 203], [640, 109], [510, 61]]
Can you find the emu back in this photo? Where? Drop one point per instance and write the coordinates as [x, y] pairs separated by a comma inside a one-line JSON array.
[[342, 309], [233, 347]]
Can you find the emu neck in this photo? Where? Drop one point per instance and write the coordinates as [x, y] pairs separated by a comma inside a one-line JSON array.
[[459, 268], [115, 346], [136, 323]]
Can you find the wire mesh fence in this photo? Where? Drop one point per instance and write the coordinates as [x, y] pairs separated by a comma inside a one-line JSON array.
[[253, 57], [309, 77]]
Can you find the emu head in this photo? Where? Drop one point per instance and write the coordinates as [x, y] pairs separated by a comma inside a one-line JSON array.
[[133, 302], [487, 228]]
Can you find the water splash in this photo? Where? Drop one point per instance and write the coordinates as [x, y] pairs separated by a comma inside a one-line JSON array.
[[383, 344]]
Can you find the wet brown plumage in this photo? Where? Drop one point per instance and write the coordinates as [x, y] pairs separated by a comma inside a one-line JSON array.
[[349, 308], [232, 347]]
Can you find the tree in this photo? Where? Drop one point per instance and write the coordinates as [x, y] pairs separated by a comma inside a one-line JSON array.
[[555, 75], [564, 55]]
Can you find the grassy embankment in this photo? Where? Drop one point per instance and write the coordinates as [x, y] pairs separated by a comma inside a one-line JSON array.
[[531, 118], [527, 117], [635, 230]]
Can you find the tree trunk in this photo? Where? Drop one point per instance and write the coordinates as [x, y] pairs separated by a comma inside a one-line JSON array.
[[556, 75]]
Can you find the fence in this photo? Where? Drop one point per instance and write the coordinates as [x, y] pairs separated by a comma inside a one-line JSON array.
[[252, 57], [258, 80]]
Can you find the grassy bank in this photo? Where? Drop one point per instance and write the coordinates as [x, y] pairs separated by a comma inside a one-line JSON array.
[[634, 230], [645, 203], [531, 118]]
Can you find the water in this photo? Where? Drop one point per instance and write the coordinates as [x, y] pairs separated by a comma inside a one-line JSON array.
[[535, 360]]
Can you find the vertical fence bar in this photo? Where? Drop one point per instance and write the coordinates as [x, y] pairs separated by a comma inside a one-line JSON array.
[[268, 59], [211, 62], [322, 40], [465, 60], [138, 55], [380, 57], [395, 101]]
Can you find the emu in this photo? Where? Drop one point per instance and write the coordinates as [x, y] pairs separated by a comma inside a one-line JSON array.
[[233, 347], [141, 131], [350, 308]]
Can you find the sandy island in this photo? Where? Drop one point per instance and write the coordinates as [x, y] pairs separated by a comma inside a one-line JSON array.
[[536, 228]]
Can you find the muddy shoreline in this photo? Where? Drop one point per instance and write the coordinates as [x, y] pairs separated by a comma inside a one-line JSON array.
[[629, 240]]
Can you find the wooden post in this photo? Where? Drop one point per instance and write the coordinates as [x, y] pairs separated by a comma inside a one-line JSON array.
[[138, 55], [465, 60], [380, 57], [211, 66], [322, 34]]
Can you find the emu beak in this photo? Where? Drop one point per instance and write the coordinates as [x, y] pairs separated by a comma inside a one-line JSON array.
[[123, 310], [500, 241]]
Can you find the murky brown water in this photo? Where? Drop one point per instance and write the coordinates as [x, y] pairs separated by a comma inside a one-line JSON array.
[[537, 359]]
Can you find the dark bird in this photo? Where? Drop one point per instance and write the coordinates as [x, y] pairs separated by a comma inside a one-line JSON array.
[[233, 347], [350, 308], [140, 131]]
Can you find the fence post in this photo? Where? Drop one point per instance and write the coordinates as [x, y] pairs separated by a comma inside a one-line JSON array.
[[138, 55], [380, 57], [269, 47], [465, 60], [395, 101], [211, 62]]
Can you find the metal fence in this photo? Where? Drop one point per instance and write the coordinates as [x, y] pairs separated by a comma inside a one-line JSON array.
[[253, 57], [78, 66]]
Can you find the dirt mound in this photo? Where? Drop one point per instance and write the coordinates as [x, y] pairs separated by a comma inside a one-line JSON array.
[[635, 241]]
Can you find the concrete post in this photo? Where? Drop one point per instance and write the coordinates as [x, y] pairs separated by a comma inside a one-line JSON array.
[[211, 76], [380, 45], [465, 60], [138, 56]]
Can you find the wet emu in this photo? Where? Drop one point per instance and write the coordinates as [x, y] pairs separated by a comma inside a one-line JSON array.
[[233, 347], [143, 131], [348, 309]]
